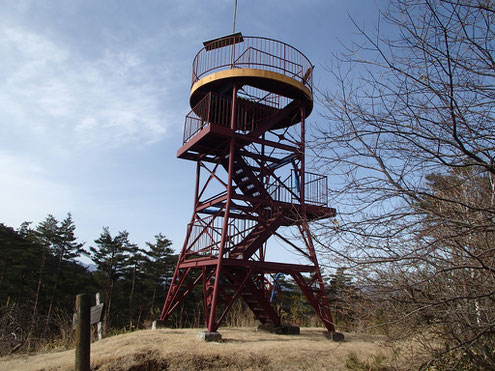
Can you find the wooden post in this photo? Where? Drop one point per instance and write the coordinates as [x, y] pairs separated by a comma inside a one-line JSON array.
[[83, 333], [100, 328]]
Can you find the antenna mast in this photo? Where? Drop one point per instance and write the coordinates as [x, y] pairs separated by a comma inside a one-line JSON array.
[[235, 13]]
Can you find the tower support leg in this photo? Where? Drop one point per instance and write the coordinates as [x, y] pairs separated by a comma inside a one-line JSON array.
[[314, 288]]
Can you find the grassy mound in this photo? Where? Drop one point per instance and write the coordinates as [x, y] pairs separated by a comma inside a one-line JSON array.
[[240, 349]]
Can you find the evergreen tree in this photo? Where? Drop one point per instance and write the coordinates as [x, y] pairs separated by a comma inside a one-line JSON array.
[[47, 236], [17, 259], [110, 256], [65, 248], [344, 297], [134, 274], [38, 274], [160, 267]]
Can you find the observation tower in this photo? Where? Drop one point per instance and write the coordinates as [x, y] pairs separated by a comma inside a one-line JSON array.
[[250, 97]]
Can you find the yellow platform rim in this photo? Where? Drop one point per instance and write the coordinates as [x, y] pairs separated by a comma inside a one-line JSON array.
[[251, 73]]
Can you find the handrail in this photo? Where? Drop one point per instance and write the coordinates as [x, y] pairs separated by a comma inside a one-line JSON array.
[[269, 54], [216, 109], [208, 243]]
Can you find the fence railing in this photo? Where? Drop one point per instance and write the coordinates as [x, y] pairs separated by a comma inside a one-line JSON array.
[[206, 234], [217, 109], [253, 52], [315, 189], [289, 189]]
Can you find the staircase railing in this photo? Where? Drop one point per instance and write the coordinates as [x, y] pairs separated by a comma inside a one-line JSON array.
[[206, 233]]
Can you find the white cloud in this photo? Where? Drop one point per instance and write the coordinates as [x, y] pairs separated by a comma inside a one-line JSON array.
[[26, 191], [47, 89]]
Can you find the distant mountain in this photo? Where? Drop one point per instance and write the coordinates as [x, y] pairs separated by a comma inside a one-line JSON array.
[[90, 267]]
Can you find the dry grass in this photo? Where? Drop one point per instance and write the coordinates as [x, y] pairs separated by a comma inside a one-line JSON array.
[[240, 349]]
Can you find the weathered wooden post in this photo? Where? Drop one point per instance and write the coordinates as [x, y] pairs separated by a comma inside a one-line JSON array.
[[83, 333]]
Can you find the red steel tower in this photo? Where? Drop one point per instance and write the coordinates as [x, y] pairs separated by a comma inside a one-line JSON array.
[[250, 97]]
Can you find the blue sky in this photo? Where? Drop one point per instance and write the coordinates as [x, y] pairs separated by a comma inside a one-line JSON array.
[[93, 96]]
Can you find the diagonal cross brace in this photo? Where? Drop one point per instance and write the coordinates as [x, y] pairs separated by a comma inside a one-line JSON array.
[[318, 302], [257, 238]]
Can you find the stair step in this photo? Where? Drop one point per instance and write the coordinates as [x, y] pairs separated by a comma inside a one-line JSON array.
[[248, 191]]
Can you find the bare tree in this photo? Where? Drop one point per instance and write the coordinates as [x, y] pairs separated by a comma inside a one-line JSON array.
[[410, 142]]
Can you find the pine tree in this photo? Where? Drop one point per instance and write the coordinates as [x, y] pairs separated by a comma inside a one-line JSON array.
[[47, 236], [110, 256], [65, 248], [17, 257], [134, 270], [160, 266]]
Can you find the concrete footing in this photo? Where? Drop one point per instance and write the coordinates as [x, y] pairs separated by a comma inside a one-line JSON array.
[[287, 330], [158, 324], [209, 336], [335, 336], [265, 327], [284, 329]]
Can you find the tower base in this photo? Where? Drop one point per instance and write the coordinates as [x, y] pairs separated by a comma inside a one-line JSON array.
[[158, 324], [283, 329], [335, 336], [209, 336]]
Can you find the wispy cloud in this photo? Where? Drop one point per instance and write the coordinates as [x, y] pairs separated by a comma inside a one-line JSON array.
[[108, 101], [26, 192]]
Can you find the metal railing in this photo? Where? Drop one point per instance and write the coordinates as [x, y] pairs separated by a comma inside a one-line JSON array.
[[197, 118], [217, 109], [316, 189], [278, 191], [289, 189], [206, 234], [257, 53]]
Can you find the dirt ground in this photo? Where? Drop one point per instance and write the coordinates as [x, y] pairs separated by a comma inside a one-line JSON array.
[[240, 349]]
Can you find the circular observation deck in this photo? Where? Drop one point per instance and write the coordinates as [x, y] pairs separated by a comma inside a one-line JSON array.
[[270, 75]]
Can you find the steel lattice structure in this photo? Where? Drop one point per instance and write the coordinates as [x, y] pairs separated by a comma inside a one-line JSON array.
[[250, 98]]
